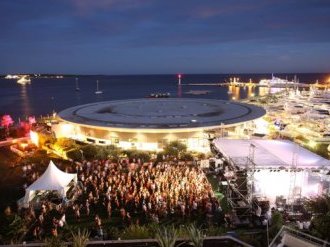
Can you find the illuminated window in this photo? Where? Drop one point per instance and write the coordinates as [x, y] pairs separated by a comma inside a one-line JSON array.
[[90, 140]]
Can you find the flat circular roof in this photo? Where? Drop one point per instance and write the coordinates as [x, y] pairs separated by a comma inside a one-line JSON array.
[[172, 113]]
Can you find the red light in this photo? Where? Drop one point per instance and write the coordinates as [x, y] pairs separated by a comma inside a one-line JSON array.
[[179, 76]]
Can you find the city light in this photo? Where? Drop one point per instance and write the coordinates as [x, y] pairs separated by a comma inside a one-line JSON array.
[[34, 138]]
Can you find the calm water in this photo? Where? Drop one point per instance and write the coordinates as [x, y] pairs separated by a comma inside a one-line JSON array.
[[45, 94]]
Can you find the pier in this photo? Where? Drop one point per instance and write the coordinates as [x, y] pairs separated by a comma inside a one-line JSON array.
[[249, 84]]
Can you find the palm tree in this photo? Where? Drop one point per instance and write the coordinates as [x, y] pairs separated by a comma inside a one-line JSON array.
[[80, 239], [196, 237], [166, 237]]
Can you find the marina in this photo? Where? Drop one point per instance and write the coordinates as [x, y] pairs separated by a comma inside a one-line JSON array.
[[165, 123]]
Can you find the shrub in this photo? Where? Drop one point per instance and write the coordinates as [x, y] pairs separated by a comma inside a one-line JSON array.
[[80, 238], [196, 237], [54, 242], [136, 232], [175, 149], [167, 237]]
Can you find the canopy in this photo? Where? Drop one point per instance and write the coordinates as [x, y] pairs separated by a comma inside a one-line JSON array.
[[53, 179], [270, 153]]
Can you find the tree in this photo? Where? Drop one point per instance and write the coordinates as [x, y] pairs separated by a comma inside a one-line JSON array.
[[89, 151], [138, 155], [75, 154], [6, 121], [276, 224], [187, 156], [320, 206], [113, 152], [175, 149]]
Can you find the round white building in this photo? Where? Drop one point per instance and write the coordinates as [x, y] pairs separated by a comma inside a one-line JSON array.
[[148, 124]]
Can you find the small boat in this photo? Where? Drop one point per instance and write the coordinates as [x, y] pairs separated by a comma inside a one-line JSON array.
[[159, 95], [24, 80], [77, 85], [98, 91], [11, 77]]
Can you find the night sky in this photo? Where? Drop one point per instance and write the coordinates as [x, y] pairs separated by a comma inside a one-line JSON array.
[[168, 36]]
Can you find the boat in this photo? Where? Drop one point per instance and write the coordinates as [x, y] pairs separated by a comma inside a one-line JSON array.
[[276, 81], [11, 77], [77, 85], [24, 80], [159, 95], [98, 91]]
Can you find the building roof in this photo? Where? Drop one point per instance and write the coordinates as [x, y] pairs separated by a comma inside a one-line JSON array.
[[172, 113], [270, 153]]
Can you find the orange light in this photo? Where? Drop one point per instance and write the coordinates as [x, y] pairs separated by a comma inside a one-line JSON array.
[[23, 145]]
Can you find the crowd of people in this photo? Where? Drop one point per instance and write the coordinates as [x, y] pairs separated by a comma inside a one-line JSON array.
[[133, 191]]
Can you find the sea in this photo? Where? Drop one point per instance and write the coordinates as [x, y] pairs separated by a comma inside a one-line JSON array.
[[46, 95]]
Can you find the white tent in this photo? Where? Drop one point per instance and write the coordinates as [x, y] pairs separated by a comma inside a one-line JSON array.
[[270, 153], [273, 161], [53, 179]]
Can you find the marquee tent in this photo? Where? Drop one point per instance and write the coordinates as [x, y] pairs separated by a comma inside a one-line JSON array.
[[53, 179], [270, 153], [282, 167]]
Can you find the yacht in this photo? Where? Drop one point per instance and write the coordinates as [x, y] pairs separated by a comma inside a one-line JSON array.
[[276, 81], [24, 80], [98, 91], [11, 77]]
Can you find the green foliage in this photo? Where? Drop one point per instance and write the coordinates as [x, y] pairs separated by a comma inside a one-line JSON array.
[[13, 228], [89, 151], [138, 154], [113, 152], [321, 222], [319, 205], [186, 156], [175, 149], [54, 242], [80, 238], [201, 156], [113, 233], [74, 154], [196, 236], [215, 231], [277, 223], [321, 226], [167, 237], [136, 232]]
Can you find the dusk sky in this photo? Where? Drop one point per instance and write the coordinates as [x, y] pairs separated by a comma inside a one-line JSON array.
[[160, 37]]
